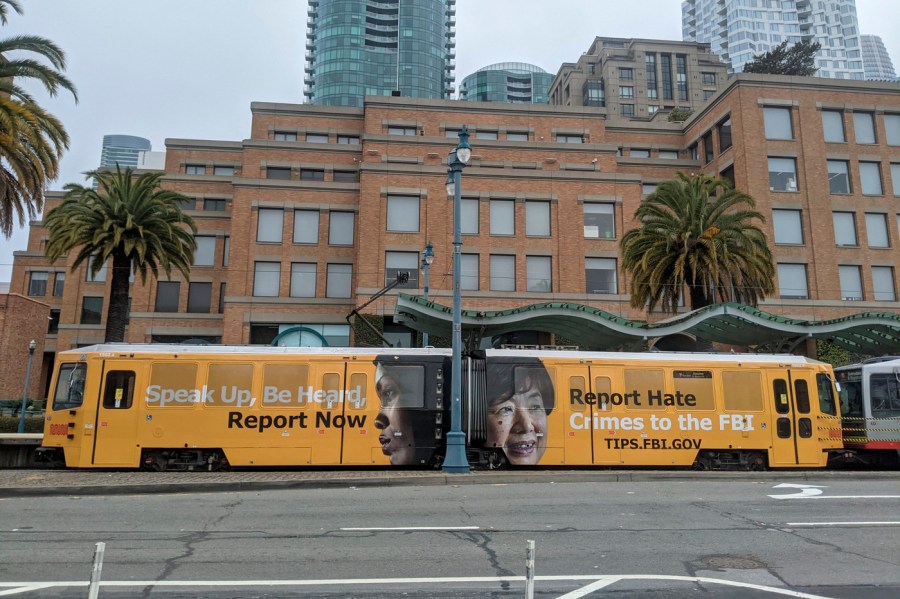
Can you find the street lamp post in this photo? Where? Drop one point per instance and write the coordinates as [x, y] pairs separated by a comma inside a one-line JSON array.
[[455, 461], [31, 347], [427, 259]]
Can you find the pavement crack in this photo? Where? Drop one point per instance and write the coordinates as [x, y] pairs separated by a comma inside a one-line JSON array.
[[483, 542]]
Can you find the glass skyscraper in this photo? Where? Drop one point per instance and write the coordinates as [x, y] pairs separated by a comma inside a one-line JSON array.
[[358, 48], [737, 30], [507, 82], [124, 150], [876, 60]]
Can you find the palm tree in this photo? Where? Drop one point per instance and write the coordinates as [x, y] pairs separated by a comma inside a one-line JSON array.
[[697, 232], [31, 139], [132, 221]]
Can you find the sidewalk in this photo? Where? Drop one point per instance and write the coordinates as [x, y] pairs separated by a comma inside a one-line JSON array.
[[25, 483]]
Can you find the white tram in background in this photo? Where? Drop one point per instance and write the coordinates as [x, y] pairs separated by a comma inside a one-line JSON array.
[[870, 409]]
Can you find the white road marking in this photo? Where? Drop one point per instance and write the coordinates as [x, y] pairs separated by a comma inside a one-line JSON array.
[[805, 491], [842, 523], [416, 528], [594, 586]]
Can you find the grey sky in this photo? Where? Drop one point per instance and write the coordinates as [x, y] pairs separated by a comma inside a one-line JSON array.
[[190, 68]]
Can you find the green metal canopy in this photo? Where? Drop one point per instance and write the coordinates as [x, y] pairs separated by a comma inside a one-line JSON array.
[[870, 333]]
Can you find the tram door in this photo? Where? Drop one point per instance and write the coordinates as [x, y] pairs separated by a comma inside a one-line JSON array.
[[572, 398], [115, 425], [360, 443], [588, 439], [793, 434]]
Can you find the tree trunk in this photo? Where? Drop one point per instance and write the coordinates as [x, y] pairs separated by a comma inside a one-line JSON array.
[[117, 311], [700, 299]]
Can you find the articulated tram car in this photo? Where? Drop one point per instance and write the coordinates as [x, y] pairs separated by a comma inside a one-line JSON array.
[[869, 395], [167, 407]]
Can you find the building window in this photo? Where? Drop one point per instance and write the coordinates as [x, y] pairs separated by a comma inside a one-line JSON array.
[[91, 309], [569, 139], [864, 125], [681, 77], [340, 228], [403, 214], [345, 177], [188, 204], [792, 281], [844, 229], [223, 171], [278, 172], [37, 285], [778, 123], [194, 169], [303, 279], [895, 178], [403, 131], [59, 284], [167, 293], [727, 174], [708, 151], [266, 279], [222, 298], [402, 262], [883, 283], [206, 251], [892, 129], [838, 176], [724, 128], [53, 327], [593, 93], [488, 135], [648, 188], [709, 78], [652, 108], [468, 216], [708, 93], [537, 219], [199, 298], [788, 227], [270, 225], [100, 277], [348, 140], [782, 174], [851, 283], [285, 136], [599, 221], [516, 136], [337, 281], [600, 275], [468, 272], [317, 138], [635, 153], [833, 126], [626, 109], [503, 273], [626, 91], [503, 217], [876, 230], [214, 205], [537, 274], [226, 250], [626, 73], [870, 178], [306, 226], [668, 155], [311, 174]]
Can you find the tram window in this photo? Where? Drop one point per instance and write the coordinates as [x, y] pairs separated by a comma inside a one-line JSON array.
[[801, 392], [356, 399], [170, 385], [645, 382], [826, 395], [696, 383], [780, 389], [577, 389], [804, 428], [602, 385], [69, 386], [229, 385], [884, 391], [119, 391], [400, 386], [783, 427], [742, 391], [282, 384]]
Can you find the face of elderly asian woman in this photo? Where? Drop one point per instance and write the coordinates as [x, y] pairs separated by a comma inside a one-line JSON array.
[[517, 414]]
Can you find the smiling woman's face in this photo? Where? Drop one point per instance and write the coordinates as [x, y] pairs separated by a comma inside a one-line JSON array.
[[519, 426]]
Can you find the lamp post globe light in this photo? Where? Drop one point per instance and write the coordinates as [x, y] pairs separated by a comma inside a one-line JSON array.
[[31, 347], [455, 461], [427, 259]]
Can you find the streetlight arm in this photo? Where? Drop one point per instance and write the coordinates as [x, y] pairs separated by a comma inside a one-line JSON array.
[[402, 277]]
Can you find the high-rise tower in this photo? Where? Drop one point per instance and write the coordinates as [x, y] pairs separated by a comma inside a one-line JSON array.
[[124, 150], [876, 60], [738, 30], [515, 82], [358, 48]]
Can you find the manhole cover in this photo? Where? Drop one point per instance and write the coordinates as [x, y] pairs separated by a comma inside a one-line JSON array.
[[735, 563]]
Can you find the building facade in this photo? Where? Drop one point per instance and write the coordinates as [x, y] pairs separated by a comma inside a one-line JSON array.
[[876, 60], [635, 78], [320, 207], [124, 150], [358, 48], [516, 82], [737, 30]]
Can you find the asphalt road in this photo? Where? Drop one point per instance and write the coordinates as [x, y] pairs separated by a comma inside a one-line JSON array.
[[835, 537]]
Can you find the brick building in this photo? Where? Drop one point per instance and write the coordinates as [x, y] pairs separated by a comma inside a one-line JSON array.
[[321, 206], [21, 320]]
